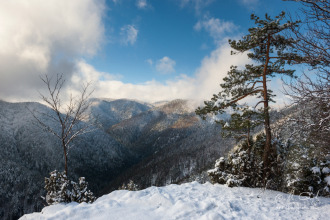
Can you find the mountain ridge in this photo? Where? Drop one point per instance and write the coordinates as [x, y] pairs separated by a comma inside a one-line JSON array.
[[128, 136]]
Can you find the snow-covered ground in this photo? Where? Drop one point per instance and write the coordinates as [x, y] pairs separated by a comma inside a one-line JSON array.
[[192, 201]]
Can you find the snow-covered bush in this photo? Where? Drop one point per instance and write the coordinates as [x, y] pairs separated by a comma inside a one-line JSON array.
[[131, 186], [80, 193], [296, 169], [61, 190], [57, 188], [306, 174], [242, 167]]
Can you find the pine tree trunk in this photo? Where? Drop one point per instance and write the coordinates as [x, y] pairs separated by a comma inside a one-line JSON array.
[[267, 148]]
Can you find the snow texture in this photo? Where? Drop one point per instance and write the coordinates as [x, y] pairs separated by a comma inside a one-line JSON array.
[[192, 201], [327, 180], [315, 170]]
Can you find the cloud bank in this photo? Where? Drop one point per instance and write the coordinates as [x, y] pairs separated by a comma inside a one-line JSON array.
[[54, 37], [39, 37], [201, 86], [51, 38]]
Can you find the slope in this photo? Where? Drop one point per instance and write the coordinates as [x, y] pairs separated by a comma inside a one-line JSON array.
[[172, 143], [109, 112], [192, 201], [28, 154]]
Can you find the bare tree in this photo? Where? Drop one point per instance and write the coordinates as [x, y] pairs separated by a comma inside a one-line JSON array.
[[313, 43], [313, 36], [312, 91], [69, 117]]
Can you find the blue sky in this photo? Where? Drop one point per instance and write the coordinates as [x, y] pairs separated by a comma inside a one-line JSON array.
[[168, 28], [150, 50]]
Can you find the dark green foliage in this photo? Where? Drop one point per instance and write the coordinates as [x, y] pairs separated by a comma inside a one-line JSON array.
[[241, 123], [61, 190], [239, 84], [271, 51], [241, 167]]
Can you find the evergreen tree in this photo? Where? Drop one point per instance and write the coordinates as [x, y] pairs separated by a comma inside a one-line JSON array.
[[80, 193], [57, 188], [61, 190], [242, 166], [241, 124], [271, 51]]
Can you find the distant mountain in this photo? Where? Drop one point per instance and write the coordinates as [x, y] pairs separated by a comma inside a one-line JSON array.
[[173, 144], [28, 154], [109, 112], [153, 144]]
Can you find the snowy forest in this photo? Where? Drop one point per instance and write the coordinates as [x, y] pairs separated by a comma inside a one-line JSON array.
[[234, 156]]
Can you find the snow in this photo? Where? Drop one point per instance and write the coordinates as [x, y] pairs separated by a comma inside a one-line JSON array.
[[315, 170], [326, 170], [192, 201], [327, 180]]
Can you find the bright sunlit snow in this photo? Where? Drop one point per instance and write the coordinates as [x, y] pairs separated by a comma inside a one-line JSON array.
[[192, 201]]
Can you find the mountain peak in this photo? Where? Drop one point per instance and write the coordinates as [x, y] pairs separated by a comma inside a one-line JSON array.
[[178, 106]]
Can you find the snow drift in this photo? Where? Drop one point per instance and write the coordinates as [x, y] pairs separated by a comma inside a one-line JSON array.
[[192, 201]]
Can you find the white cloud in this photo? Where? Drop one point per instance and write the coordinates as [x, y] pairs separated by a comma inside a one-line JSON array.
[[50, 37], [128, 34], [149, 61], [40, 37], [141, 4], [201, 86], [215, 27], [165, 65]]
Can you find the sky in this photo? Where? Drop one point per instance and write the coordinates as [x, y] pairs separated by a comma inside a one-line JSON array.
[[148, 50]]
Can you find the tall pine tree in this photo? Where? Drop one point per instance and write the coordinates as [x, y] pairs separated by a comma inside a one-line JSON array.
[[271, 51], [241, 123]]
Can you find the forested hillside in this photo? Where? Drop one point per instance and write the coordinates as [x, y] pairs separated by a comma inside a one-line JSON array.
[[28, 154], [166, 144]]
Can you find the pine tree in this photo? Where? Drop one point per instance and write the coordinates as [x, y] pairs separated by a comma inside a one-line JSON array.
[[57, 188], [241, 167], [271, 51], [241, 124], [80, 193]]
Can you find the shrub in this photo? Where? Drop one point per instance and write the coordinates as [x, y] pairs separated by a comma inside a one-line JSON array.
[[295, 169], [242, 167], [61, 190]]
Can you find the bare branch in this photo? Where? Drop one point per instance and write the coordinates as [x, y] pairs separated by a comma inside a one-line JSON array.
[[72, 116]]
